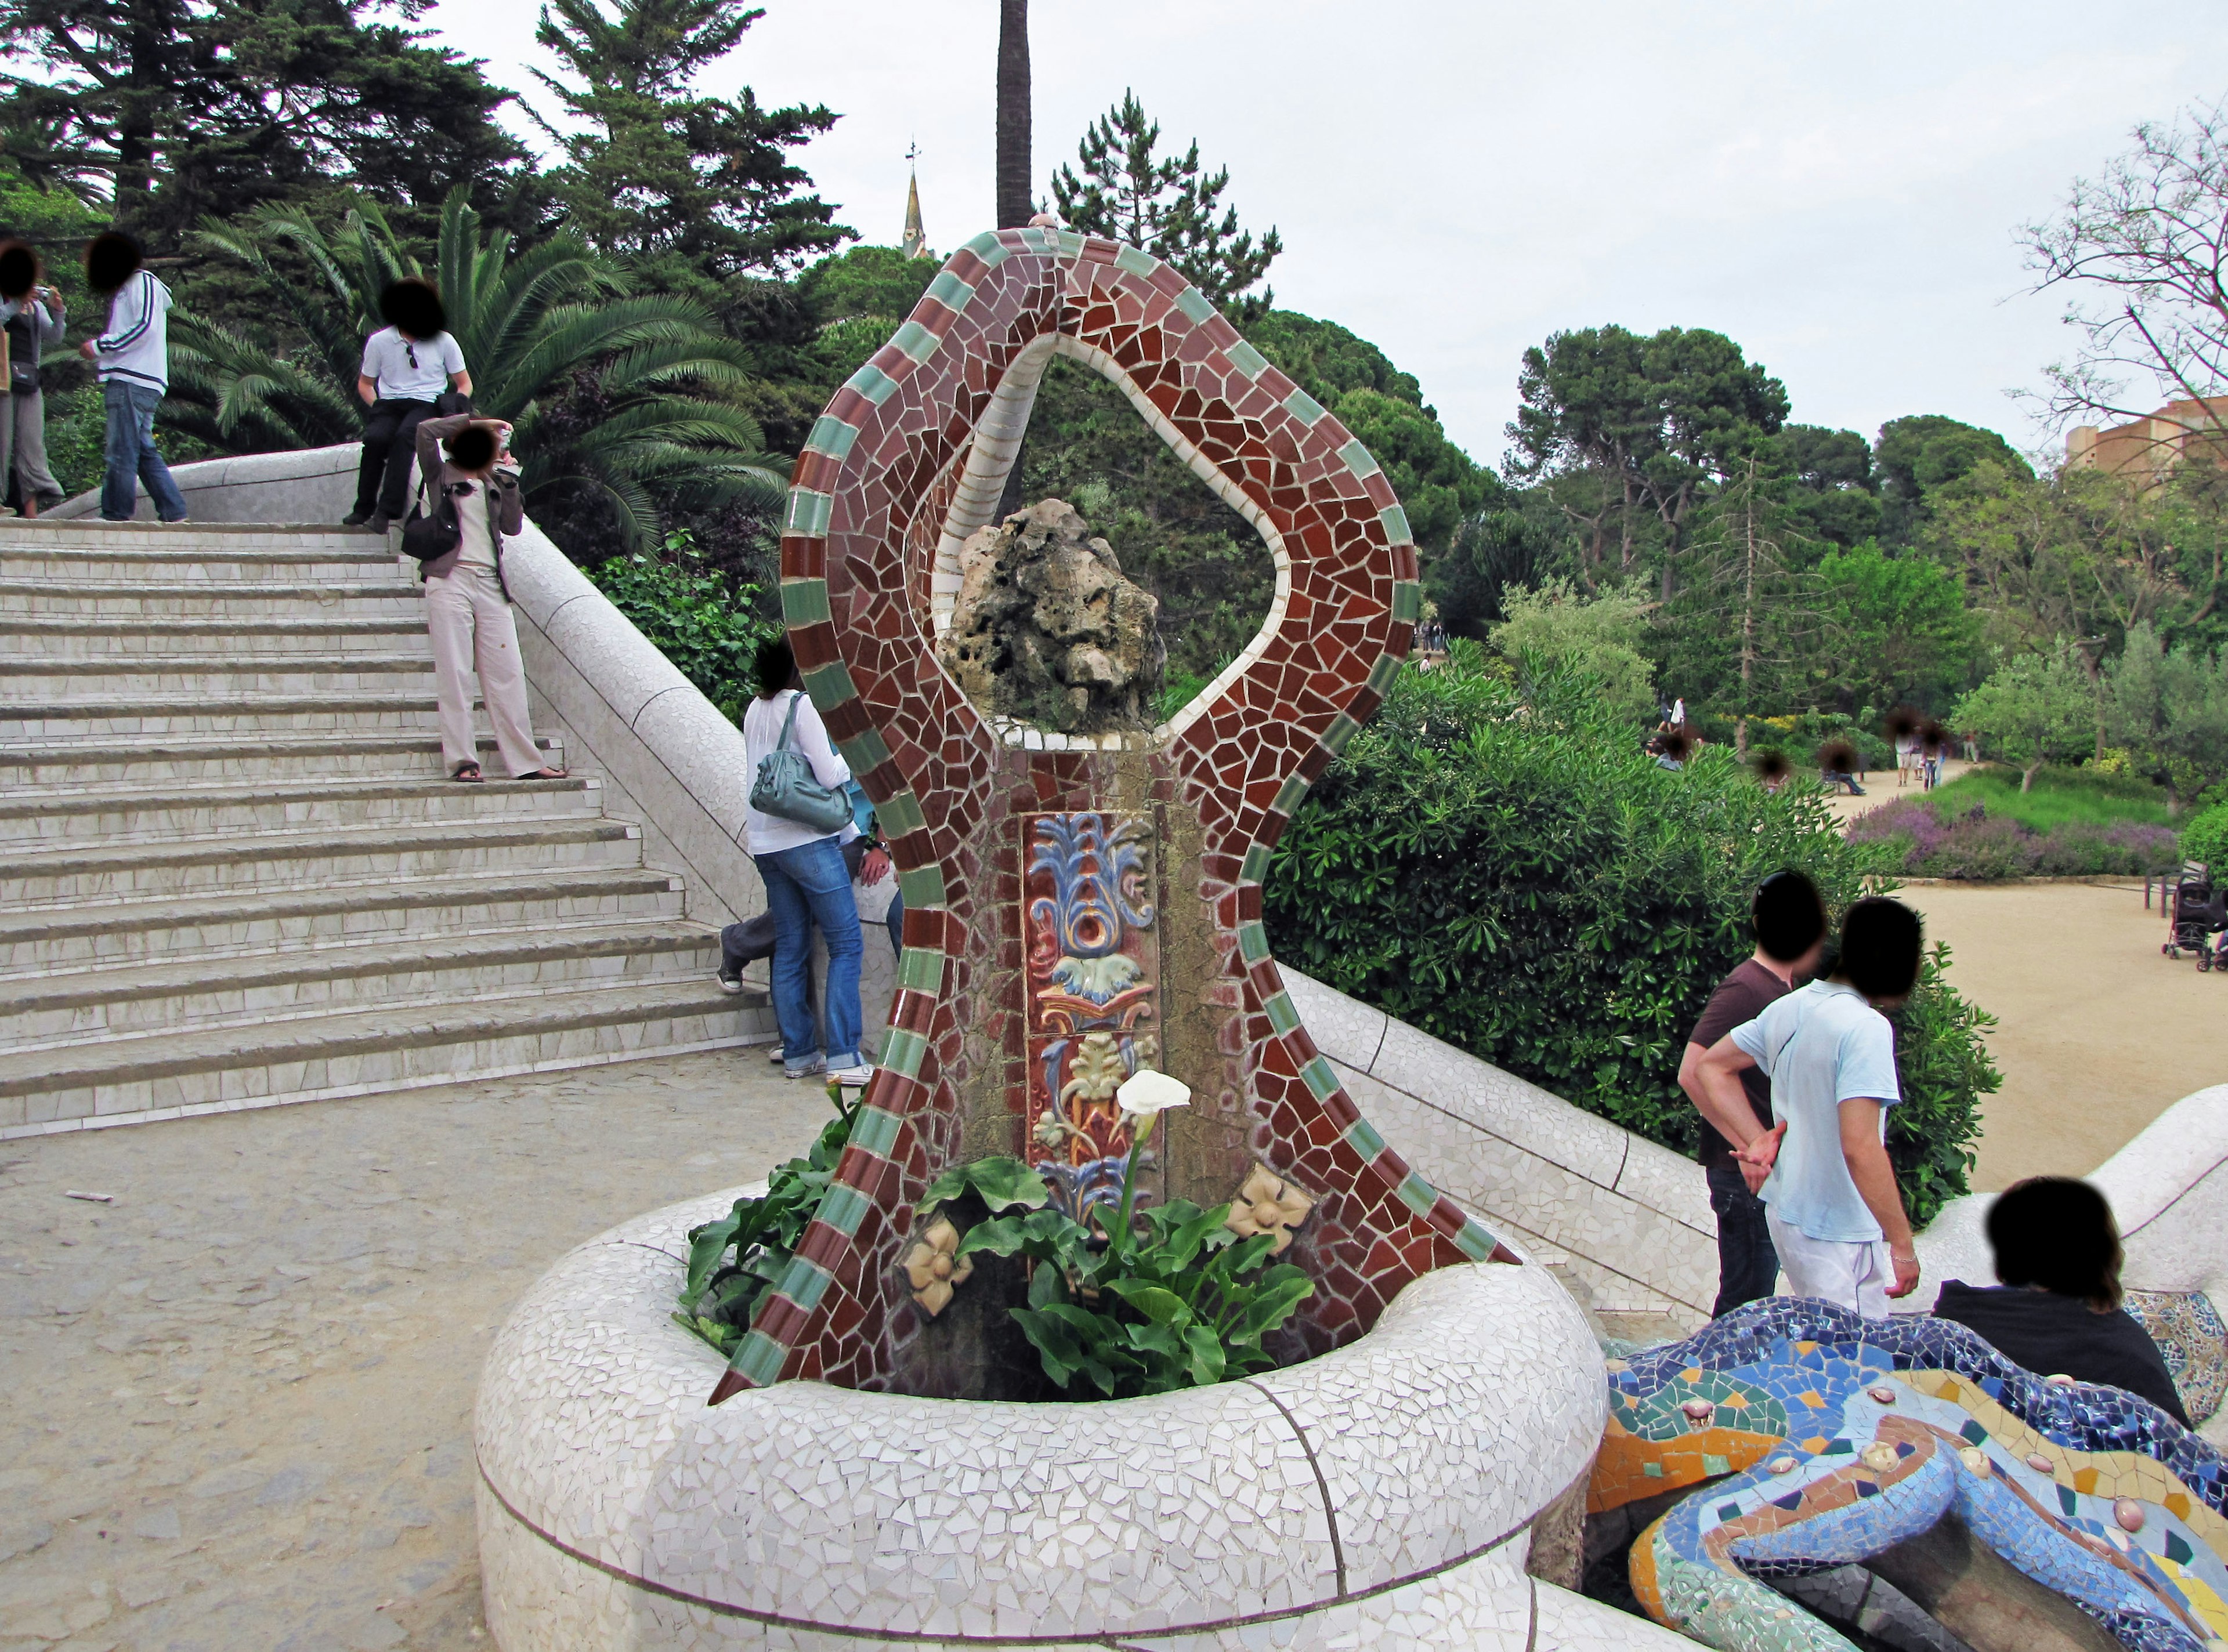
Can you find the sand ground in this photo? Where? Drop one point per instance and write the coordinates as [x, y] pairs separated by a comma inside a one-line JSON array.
[[2097, 1034]]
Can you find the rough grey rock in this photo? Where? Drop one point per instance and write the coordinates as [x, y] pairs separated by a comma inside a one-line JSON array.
[[1047, 629]]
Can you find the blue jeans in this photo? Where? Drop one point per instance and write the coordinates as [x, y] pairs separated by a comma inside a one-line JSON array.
[[806, 885], [1748, 1266], [132, 456]]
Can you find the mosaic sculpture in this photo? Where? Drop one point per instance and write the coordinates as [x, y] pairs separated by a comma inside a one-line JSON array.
[[1842, 1437], [1005, 1032]]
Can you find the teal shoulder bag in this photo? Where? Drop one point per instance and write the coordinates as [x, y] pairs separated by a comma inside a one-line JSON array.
[[785, 786]]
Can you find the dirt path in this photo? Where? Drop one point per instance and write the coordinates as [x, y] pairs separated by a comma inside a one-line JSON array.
[[1880, 789], [243, 1388], [2098, 1033]]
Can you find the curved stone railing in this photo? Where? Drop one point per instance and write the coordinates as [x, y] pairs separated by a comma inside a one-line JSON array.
[[667, 756]]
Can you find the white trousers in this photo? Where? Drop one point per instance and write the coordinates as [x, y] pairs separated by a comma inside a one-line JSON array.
[[1854, 1274], [474, 634]]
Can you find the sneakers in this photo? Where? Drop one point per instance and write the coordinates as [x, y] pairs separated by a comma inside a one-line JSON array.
[[854, 1077], [774, 1054], [732, 984], [355, 519], [812, 1069]]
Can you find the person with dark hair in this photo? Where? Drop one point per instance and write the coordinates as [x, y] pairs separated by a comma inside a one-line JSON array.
[[467, 601], [33, 315], [1788, 922], [1831, 1203], [2056, 1311], [806, 880], [133, 359], [408, 367]]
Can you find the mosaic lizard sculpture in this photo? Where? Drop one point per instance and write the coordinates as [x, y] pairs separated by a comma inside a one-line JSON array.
[[1843, 1437]]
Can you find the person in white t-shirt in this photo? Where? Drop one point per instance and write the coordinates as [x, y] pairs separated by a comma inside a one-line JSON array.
[[408, 365], [1831, 1203], [806, 881]]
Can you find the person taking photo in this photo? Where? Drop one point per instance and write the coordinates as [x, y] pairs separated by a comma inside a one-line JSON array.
[[133, 359], [408, 367], [33, 315]]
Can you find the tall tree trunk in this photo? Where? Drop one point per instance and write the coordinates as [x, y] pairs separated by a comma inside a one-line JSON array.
[[1016, 207], [1014, 204], [1748, 616]]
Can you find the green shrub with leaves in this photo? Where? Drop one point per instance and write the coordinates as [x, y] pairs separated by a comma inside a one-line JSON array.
[[2206, 838], [1184, 1303], [703, 621], [733, 1261], [1507, 869]]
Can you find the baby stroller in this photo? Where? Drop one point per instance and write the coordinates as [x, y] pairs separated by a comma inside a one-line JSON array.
[[2199, 912]]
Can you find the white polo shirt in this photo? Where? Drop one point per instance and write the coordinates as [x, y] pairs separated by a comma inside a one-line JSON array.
[[387, 360]]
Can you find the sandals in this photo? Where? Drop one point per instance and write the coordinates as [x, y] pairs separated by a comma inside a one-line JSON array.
[[469, 773], [544, 774]]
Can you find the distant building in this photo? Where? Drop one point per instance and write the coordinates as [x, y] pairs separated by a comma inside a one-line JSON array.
[[914, 242], [2157, 445]]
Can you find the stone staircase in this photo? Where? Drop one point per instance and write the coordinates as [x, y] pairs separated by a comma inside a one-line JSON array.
[[236, 875]]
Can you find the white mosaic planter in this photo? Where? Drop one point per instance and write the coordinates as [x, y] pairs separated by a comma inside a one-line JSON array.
[[1382, 1494]]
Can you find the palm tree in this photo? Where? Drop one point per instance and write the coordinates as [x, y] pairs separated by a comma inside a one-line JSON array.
[[617, 398], [1014, 189]]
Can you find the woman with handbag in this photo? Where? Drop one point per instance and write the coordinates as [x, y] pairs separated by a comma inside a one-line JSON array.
[[33, 315], [458, 545], [795, 821]]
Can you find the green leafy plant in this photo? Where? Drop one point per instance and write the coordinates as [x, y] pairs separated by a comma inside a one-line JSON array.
[[733, 1261], [701, 619], [1185, 1302], [2206, 838]]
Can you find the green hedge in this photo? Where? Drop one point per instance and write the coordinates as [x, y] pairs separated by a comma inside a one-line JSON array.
[[701, 619], [2206, 838], [1515, 876]]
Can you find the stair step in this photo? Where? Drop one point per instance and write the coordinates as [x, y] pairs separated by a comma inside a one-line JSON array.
[[202, 567], [50, 814], [140, 639], [211, 599], [21, 530], [165, 760], [55, 1009], [389, 1048], [299, 712], [238, 923], [76, 872], [32, 682]]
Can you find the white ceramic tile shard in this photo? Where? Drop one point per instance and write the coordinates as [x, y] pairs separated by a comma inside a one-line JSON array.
[[803, 1513]]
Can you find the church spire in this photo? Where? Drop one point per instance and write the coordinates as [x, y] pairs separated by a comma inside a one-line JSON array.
[[914, 244]]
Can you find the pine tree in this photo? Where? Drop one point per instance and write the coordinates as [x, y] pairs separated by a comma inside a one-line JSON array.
[[183, 111], [663, 173], [1166, 205]]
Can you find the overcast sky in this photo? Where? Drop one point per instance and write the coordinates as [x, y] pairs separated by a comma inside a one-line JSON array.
[[1836, 187]]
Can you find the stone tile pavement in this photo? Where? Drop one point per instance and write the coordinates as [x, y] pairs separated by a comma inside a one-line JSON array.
[[238, 1398]]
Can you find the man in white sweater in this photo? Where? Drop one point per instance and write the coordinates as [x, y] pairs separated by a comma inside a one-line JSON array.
[[133, 357]]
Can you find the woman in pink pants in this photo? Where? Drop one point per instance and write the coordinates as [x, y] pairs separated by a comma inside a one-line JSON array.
[[467, 605]]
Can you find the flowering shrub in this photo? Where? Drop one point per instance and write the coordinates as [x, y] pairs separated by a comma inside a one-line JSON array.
[[1976, 845]]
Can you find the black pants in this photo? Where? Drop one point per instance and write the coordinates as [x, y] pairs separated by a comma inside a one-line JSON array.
[[1748, 1267], [390, 440]]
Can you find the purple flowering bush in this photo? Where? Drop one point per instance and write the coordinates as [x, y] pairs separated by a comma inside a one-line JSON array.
[[1976, 845]]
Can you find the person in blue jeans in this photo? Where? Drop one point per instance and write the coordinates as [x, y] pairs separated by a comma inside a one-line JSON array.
[[806, 880], [133, 359]]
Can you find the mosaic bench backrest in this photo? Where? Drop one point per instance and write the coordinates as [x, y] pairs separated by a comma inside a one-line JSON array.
[[1830, 1438], [1078, 906]]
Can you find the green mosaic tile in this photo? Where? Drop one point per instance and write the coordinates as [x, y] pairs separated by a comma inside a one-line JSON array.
[[1359, 459], [922, 887], [759, 1360], [951, 291], [1136, 261], [1068, 243], [988, 247], [843, 1208], [1283, 1015], [1363, 1137], [864, 750], [921, 969], [1289, 794], [808, 512], [1407, 600], [1252, 942], [900, 815], [1195, 304], [1396, 525], [1476, 1243], [917, 341], [1342, 729], [831, 685], [805, 1283], [804, 601], [1255, 867], [1320, 1078], [873, 383], [1304, 407], [874, 1130], [1417, 1194], [1248, 360], [831, 436], [1382, 673], [903, 1052]]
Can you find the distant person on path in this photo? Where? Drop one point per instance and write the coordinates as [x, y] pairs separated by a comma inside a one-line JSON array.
[[133, 359], [806, 880], [1832, 1205], [1788, 922], [408, 365], [34, 316], [467, 603], [2058, 1309]]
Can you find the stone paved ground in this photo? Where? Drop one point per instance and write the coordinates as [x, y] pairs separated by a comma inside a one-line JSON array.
[[237, 1400]]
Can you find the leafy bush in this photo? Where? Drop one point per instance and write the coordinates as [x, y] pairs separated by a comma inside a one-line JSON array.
[[1184, 1304], [1801, 733], [701, 619], [2205, 837], [1512, 873], [733, 1261], [1936, 840], [2088, 795]]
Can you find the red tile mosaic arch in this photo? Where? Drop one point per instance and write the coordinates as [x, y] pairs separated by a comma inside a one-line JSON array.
[[870, 499]]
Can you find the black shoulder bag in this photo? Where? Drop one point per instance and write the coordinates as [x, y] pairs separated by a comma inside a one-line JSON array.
[[430, 537]]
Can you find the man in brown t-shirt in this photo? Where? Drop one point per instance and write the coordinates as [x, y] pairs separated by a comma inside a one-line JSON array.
[[1788, 922]]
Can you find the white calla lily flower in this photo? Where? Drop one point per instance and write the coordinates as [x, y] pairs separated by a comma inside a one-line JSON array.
[[1146, 1093]]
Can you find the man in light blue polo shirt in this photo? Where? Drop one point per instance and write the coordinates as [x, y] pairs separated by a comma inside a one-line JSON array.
[[1830, 1197]]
